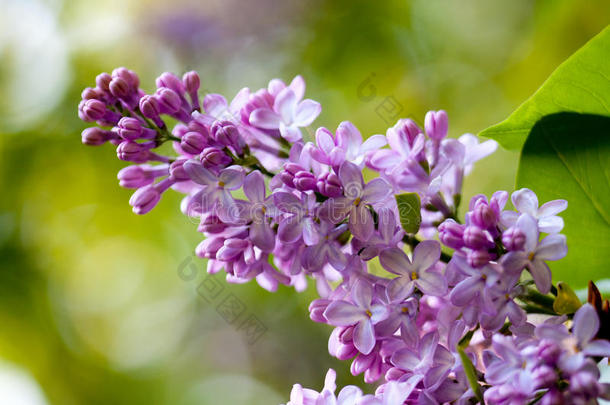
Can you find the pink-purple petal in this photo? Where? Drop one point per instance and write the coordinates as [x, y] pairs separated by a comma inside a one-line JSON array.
[[426, 254], [586, 324], [265, 118], [364, 336], [395, 261], [541, 275], [361, 222], [525, 201], [306, 112], [376, 190], [343, 313], [553, 247], [254, 187]]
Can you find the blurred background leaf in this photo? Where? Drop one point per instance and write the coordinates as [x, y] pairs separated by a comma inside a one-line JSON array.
[[92, 307], [580, 84], [567, 156]]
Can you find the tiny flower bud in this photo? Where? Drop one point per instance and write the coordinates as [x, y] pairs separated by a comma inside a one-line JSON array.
[[408, 129], [149, 106], [130, 77], [192, 143], [304, 181], [483, 216], [95, 136], [91, 93], [210, 223], [478, 258], [231, 249], [119, 88], [177, 172], [476, 238], [451, 234], [544, 376], [134, 152], [290, 170], [169, 100], [226, 133], [135, 177], [94, 109], [513, 239], [436, 124], [214, 158], [329, 185], [144, 199], [191, 82], [170, 81], [131, 129], [208, 248], [103, 82]]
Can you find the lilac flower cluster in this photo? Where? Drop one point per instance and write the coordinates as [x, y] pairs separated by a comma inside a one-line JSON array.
[[279, 208]]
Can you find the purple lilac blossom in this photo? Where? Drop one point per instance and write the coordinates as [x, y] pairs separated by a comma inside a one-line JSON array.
[[316, 218]]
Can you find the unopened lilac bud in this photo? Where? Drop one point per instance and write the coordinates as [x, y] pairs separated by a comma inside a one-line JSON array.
[[408, 129], [135, 177], [198, 126], [144, 199], [92, 93], [119, 88], [214, 158], [436, 124], [394, 374], [476, 238], [317, 308], [361, 364], [552, 397], [549, 351], [130, 77], [329, 185], [96, 136], [544, 376], [290, 170], [478, 258], [346, 351], [149, 106], [231, 249], [169, 100], [226, 133], [210, 223], [513, 239], [191, 84], [94, 109], [103, 82], [170, 81], [134, 152], [451, 234], [483, 215], [177, 172], [192, 143], [131, 129], [208, 248], [304, 181], [584, 383]]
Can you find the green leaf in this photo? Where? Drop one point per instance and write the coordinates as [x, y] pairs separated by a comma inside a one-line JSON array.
[[567, 156], [409, 209], [566, 302], [580, 84], [471, 374]]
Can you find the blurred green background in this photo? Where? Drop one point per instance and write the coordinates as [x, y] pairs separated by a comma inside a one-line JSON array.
[[92, 307]]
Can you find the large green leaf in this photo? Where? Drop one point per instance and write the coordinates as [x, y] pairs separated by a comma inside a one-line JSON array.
[[580, 84], [567, 155]]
